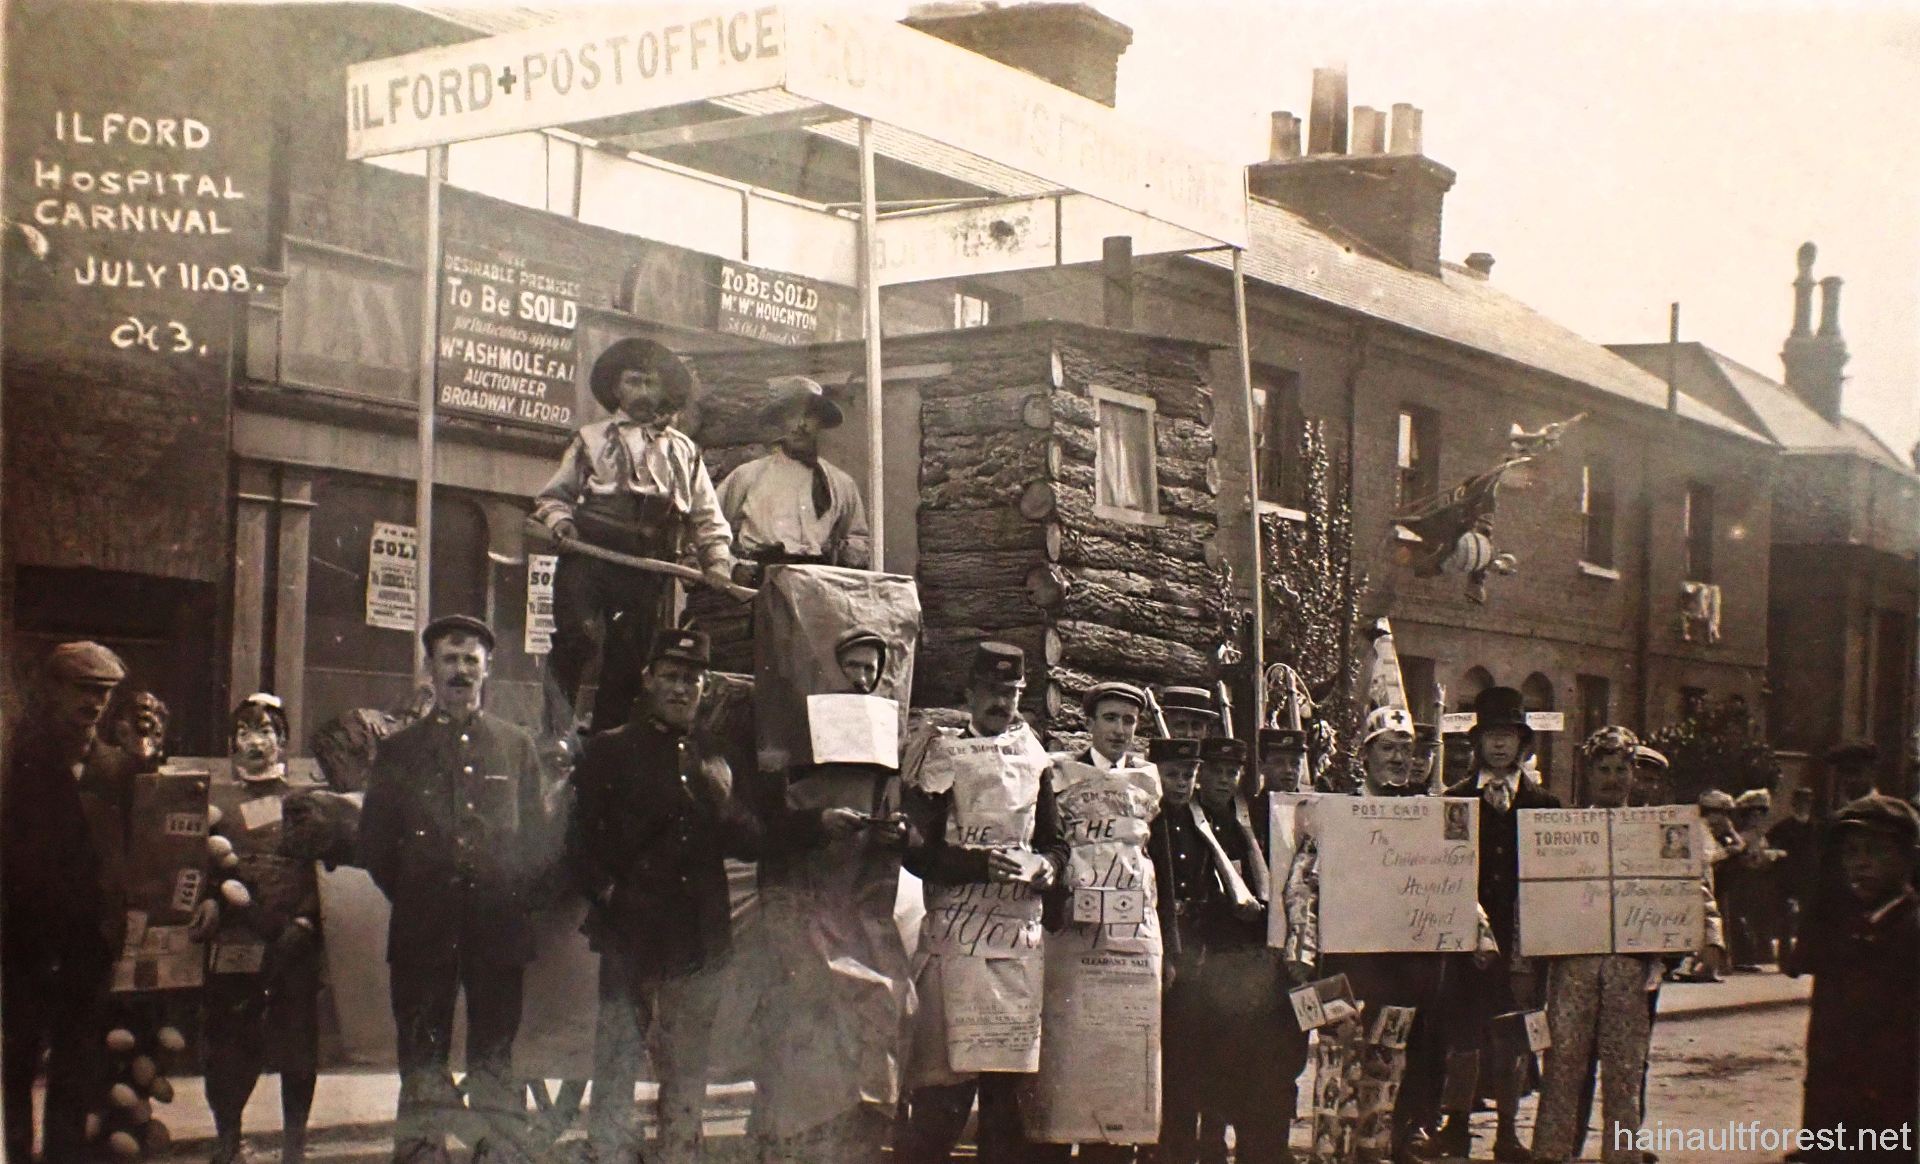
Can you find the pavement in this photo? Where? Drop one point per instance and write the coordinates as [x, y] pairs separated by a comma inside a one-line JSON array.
[[353, 1110]]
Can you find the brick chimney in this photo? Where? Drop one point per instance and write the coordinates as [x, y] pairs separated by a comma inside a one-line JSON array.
[[1070, 45], [1815, 361], [1388, 201]]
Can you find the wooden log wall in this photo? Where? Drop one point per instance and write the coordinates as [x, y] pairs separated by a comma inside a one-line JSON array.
[[1010, 545]]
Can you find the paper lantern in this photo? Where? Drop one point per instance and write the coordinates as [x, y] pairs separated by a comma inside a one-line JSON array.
[[1471, 554]]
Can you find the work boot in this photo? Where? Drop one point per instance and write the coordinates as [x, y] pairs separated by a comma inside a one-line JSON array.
[[293, 1146]]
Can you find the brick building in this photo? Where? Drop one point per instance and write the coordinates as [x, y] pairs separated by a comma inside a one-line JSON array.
[[1846, 529]]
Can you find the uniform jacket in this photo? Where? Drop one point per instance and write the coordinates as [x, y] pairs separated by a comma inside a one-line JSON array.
[[644, 839], [1500, 853], [63, 859], [1194, 903], [456, 834]]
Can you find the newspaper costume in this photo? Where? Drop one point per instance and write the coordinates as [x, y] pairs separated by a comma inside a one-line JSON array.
[[1099, 1077]]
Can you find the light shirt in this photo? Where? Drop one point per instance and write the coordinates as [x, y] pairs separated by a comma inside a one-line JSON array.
[[1099, 760], [1499, 790], [619, 455], [769, 503]]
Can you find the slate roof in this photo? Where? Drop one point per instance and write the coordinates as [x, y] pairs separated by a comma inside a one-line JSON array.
[[1780, 413], [1459, 306]]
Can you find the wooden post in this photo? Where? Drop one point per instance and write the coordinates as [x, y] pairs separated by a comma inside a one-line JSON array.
[[1256, 654], [290, 608], [423, 482], [870, 327]]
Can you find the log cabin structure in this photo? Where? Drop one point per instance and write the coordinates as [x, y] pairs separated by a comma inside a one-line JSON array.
[[1051, 485]]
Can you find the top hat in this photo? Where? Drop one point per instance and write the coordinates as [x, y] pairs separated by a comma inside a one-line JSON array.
[[639, 354], [456, 624], [1500, 707]]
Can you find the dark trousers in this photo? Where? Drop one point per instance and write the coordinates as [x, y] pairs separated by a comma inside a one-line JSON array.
[[425, 986], [936, 1117], [1232, 1051], [59, 1009], [634, 606], [672, 1021], [254, 1023]]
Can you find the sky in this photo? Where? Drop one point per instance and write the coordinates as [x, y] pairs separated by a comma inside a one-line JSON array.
[[1613, 158]]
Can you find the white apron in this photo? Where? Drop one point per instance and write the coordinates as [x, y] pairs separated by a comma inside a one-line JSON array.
[[1099, 1077], [980, 962]]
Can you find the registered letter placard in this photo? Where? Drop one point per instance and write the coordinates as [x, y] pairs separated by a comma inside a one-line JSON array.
[[1565, 917], [1563, 843], [1658, 917], [854, 729], [1664, 841], [1397, 874]]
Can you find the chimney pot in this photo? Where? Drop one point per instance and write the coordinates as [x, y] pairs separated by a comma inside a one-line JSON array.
[[1369, 131], [1830, 307], [1327, 120], [1284, 144], [1406, 130], [1480, 263]]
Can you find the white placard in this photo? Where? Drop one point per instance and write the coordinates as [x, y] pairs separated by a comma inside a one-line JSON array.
[[392, 559], [854, 729], [1397, 873], [1621, 880], [540, 625], [261, 811], [1456, 722], [1547, 721]]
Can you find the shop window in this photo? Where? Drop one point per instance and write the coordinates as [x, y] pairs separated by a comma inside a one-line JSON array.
[[1128, 487], [1697, 522], [1416, 454], [1276, 425], [348, 323], [1596, 514], [1536, 694], [345, 510]]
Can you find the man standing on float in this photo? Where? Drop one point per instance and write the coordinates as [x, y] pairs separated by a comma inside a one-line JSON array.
[[634, 484]]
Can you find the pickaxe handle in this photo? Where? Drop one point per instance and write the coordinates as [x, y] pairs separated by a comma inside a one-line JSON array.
[[649, 565]]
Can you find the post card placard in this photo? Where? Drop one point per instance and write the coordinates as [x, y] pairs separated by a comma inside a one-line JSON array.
[[1397, 874]]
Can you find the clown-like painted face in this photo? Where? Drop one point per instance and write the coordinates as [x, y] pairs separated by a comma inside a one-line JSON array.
[[257, 745]]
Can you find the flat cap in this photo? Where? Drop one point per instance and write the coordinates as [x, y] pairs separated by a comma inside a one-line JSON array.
[[1223, 750], [87, 663], [688, 646], [1173, 751], [1191, 700], [1652, 757], [1100, 691], [999, 663], [1714, 800], [1882, 814], [456, 624]]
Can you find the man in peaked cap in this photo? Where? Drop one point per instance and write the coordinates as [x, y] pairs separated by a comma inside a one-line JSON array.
[[792, 505], [64, 915], [455, 832], [635, 484], [1498, 981], [655, 818], [1113, 712], [1189, 712], [991, 826], [1231, 1055], [1861, 944]]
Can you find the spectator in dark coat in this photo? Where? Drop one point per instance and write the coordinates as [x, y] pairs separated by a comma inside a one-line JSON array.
[[1862, 945]]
